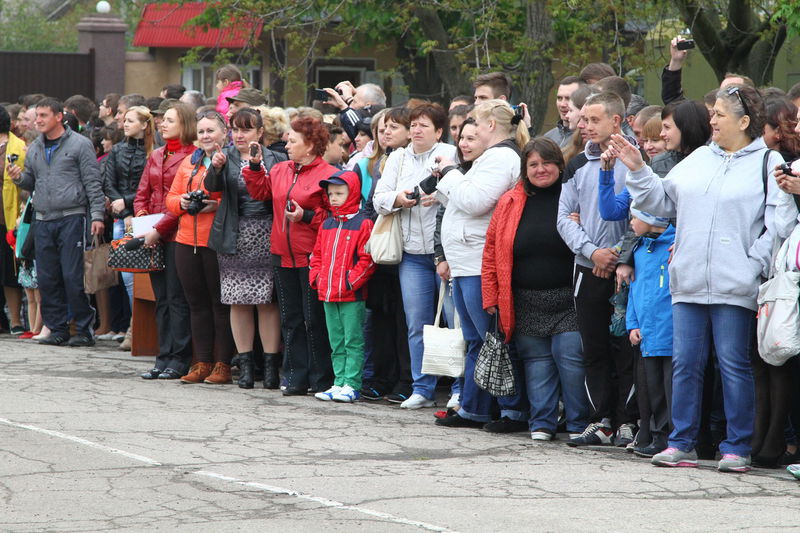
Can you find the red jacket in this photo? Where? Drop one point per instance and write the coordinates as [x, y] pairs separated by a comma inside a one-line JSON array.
[[292, 241], [151, 196], [498, 257], [340, 265]]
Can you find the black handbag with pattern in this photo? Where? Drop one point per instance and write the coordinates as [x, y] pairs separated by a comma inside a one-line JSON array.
[[494, 371], [135, 260]]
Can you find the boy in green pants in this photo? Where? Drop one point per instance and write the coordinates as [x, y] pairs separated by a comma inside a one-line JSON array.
[[339, 271]]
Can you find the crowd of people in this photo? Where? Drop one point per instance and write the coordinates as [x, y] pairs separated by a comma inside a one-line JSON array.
[[619, 255]]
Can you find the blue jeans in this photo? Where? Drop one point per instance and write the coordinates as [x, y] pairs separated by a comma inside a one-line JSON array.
[[448, 310], [731, 328], [419, 285], [127, 277], [554, 367], [476, 403]]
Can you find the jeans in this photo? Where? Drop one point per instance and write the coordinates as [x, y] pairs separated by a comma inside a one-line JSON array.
[[419, 284], [554, 367], [127, 277], [476, 403], [448, 310], [730, 328]]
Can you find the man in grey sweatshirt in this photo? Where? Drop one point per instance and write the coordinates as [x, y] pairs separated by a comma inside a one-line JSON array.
[[593, 241], [61, 170]]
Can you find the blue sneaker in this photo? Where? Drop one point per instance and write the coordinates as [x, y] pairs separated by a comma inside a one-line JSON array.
[[346, 394]]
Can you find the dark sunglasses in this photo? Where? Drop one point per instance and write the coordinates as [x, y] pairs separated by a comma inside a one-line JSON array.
[[211, 114], [735, 90]]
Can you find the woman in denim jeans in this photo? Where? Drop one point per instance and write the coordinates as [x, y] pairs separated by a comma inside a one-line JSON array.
[[527, 285], [725, 206]]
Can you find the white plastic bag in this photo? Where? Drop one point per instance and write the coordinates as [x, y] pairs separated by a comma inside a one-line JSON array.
[[779, 313]]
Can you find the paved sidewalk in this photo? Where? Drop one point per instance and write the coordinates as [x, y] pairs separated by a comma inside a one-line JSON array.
[[86, 445]]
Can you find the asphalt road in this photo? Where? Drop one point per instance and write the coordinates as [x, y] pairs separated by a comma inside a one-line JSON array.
[[86, 445]]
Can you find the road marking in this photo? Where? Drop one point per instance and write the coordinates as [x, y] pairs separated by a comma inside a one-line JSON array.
[[324, 501], [261, 486], [95, 445]]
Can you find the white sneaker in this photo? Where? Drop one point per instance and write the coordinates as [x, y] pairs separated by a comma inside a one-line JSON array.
[[108, 336], [328, 394], [346, 394], [541, 434], [454, 401], [417, 401]]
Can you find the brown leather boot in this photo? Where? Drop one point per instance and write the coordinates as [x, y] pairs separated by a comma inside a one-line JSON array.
[[197, 373], [221, 375]]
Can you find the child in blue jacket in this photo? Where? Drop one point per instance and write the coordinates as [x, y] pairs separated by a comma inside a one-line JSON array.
[[649, 321]]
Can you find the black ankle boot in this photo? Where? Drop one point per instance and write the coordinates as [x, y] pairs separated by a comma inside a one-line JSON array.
[[246, 370], [272, 361]]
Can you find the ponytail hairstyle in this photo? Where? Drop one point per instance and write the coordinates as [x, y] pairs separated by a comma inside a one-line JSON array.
[[378, 150], [507, 120], [146, 118], [228, 72]]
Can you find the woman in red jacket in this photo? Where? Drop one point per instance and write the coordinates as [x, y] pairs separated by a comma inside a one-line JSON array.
[[179, 130], [299, 206], [526, 278], [195, 262]]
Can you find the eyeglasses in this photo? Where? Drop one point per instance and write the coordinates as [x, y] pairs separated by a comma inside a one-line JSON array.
[[735, 90], [211, 114]]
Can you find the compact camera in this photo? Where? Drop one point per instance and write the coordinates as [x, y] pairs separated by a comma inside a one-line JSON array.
[[196, 201]]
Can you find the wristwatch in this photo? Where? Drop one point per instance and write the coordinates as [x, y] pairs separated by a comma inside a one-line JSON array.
[[438, 259]]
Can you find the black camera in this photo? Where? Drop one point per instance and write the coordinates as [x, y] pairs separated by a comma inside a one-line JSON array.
[[685, 45], [196, 201], [321, 95], [414, 195], [786, 168]]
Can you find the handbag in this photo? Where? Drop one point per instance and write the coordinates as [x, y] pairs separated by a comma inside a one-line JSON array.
[[96, 273], [494, 371], [444, 348], [385, 243], [137, 260], [778, 325]]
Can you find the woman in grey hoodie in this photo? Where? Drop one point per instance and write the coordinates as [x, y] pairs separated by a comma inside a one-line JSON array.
[[725, 209]]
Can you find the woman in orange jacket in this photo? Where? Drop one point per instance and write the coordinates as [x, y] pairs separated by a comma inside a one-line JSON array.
[[196, 263]]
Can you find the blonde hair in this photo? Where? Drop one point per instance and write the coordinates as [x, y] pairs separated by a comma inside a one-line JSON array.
[[309, 112], [276, 123], [145, 117], [500, 111], [377, 149], [652, 129]]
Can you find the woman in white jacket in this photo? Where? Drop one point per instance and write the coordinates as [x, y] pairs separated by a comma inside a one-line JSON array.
[[470, 199], [395, 192]]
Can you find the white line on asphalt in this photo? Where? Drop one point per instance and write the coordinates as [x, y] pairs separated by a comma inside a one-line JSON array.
[[324, 501], [85, 442]]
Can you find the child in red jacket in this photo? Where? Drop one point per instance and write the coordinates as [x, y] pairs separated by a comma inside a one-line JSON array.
[[339, 270]]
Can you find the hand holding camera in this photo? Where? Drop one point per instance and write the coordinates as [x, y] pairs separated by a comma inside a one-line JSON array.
[[195, 201], [255, 153], [787, 175], [14, 171], [678, 51], [294, 213]]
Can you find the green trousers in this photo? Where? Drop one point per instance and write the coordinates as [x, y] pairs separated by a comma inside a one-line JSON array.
[[345, 322]]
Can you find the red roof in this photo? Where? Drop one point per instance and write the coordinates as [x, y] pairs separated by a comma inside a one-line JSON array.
[[162, 25]]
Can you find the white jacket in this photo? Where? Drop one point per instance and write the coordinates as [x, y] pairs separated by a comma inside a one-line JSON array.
[[403, 171], [471, 199]]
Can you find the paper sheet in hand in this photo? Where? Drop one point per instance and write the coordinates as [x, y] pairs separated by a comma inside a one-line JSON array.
[[142, 225]]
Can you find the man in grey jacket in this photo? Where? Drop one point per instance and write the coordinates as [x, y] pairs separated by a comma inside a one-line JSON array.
[[61, 170], [561, 134]]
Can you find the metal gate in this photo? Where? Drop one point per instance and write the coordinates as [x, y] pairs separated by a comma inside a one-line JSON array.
[[55, 74]]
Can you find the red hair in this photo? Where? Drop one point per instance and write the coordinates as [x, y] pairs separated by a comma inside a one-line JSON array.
[[313, 132]]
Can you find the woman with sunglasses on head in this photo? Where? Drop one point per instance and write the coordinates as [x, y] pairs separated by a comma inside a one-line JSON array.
[[726, 225], [241, 237], [195, 262], [179, 130]]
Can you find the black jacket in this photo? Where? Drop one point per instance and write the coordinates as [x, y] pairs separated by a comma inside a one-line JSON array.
[[122, 172], [225, 228]]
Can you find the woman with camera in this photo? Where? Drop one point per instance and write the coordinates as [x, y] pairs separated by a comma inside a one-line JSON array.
[[471, 199], [179, 131], [725, 209], [240, 235], [195, 262], [299, 205], [397, 191]]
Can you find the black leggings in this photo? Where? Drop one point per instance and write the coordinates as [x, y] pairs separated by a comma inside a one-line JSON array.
[[198, 271]]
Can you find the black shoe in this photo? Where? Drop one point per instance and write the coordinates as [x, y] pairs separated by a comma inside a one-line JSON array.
[[151, 374], [648, 451], [246, 368], [55, 339], [17, 330], [370, 393], [505, 425], [457, 421], [80, 340], [272, 362], [295, 392], [789, 458], [397, 397], [765, 462], [170, 373]]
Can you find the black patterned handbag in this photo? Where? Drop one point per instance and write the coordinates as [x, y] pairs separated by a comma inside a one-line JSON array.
[[136, 260], [494, 371]]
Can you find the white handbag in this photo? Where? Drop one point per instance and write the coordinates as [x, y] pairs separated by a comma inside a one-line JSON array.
[[444, 348], [779, 313], [385, 243]]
